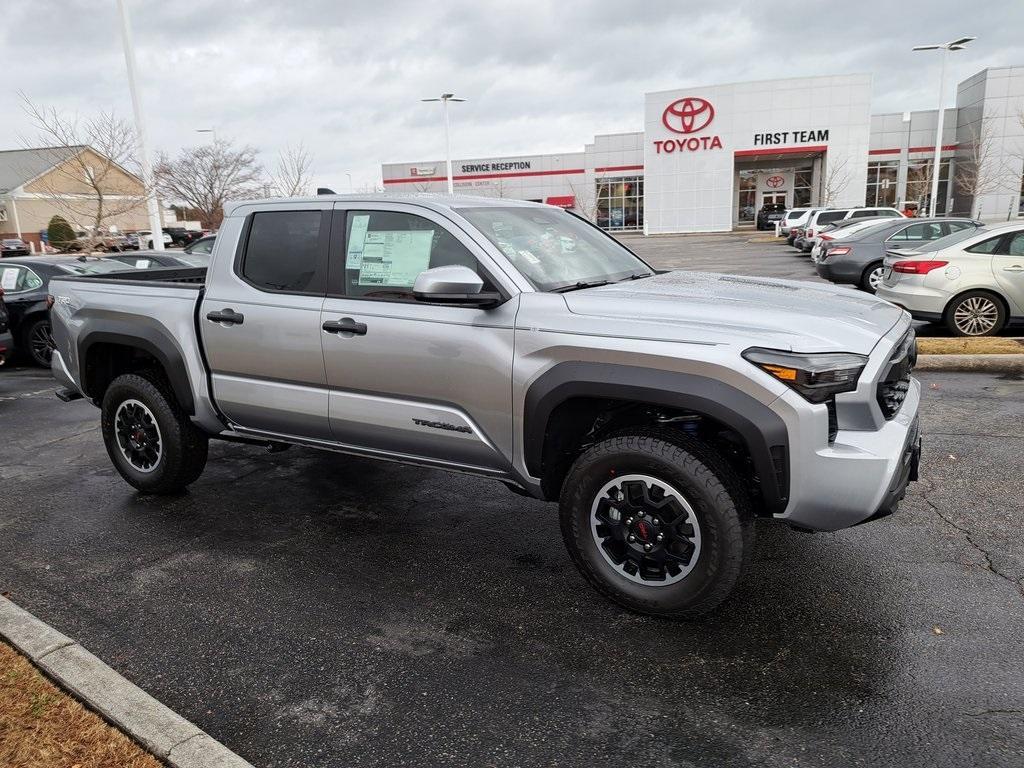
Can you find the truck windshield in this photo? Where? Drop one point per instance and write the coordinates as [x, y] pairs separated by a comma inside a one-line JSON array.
[[553, 249]]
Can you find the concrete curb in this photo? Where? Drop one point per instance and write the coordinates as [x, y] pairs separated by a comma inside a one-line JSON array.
[[169, 736], [969, 363]]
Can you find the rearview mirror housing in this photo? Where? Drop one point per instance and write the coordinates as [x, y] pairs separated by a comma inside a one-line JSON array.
[[453, 284]]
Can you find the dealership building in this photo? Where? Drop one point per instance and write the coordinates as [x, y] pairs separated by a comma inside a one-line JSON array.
[[708, 158]]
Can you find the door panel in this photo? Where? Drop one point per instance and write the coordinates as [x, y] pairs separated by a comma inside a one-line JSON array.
[[268, 370], [1008, 268], [428, 381]]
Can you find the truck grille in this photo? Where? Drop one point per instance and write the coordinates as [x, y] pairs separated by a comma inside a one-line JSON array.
[[895, 382]]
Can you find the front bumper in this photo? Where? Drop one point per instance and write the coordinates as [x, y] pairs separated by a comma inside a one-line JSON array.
[[857, 477]]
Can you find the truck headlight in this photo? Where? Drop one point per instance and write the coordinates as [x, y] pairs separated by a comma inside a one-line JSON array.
[[817, 377]]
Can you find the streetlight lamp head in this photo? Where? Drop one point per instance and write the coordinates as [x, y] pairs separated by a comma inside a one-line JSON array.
[[958, 44]]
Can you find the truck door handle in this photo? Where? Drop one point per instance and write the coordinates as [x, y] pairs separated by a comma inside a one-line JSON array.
[[345, 325], [228, 316], [1014, 268]]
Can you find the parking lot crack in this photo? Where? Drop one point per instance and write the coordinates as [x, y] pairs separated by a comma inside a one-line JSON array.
[[989, 565]]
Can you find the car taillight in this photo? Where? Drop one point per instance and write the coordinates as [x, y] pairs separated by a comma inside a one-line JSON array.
[[839, 250], [826, 237], [49, 301], [917, 267], [810, 232]]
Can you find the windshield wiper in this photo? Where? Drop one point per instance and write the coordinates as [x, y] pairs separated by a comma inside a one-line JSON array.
[[579, 285], [637, 276]]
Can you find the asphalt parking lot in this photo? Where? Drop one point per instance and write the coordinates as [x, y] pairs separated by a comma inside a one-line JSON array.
[[309, 609]]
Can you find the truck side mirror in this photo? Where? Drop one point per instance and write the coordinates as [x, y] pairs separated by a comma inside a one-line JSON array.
[[453, 284]]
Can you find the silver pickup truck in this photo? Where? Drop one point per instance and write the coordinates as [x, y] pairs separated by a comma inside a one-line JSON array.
[[663, 411]]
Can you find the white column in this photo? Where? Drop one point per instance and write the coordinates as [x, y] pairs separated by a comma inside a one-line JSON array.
[[140, 128], [938, 138], [14, 211]]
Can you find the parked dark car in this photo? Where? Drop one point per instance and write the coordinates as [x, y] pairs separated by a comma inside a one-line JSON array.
[[857, 259], [25, 281], [181, 236], [769, 214], [13, 247], [6, 340]]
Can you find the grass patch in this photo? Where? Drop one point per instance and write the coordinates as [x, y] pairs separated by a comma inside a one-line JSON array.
[[43, 727], [986, 346]]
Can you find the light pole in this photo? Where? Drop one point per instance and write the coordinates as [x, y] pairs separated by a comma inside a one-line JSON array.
[[208, 130], [140, 129], [349, 182], [444, 99], [953, 45]]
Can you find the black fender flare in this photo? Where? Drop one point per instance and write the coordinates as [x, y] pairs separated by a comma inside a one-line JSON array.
[[145, 334], [763, 430]]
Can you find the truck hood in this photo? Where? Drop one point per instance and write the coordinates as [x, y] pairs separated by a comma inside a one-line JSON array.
[[703, 306]]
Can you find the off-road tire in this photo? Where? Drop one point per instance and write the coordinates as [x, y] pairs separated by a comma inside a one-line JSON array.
[[184, 448], [709, 484]]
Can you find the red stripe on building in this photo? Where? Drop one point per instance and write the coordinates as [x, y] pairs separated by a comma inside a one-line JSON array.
[[779, 151], [607, 168], [511, 175], [945, 148]]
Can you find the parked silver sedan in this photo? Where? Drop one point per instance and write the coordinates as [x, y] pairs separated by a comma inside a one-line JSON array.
[[972, 280]]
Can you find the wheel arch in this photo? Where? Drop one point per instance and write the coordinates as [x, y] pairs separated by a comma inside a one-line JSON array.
[[579, 385], [109, 347]]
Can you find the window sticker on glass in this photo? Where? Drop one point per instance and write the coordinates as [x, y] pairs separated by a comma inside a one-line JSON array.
[[142, 263], [9, 279], [357, 240], [395, 258]]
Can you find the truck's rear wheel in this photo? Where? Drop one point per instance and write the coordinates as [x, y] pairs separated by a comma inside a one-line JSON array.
[[657, 522], [150, 440]]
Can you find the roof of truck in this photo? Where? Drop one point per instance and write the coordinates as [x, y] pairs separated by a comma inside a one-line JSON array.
[[425, 199]]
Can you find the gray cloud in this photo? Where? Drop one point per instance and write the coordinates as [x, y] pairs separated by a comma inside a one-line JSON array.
[[346, 78]]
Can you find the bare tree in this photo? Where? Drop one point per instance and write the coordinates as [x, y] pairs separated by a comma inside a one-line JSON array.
[[207, 176], [293, 176], [837, 179], [94, 177], [585, 204], [981, 169]]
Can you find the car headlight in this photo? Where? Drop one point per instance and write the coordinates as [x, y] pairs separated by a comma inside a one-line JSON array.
[[817, 377]]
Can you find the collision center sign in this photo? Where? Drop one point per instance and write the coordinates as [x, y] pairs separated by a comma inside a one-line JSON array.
[[686, 116]]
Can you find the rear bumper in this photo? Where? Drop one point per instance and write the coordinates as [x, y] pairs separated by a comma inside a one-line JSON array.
[[921, 302], [838, 272]]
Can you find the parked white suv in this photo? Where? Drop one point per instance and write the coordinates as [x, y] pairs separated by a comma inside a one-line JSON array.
[[972, 280]]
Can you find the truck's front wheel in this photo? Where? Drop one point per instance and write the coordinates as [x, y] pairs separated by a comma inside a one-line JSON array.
[[149, 438], [657, 522]]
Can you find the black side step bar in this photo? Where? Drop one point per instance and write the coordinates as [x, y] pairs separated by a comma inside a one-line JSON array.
[[67, 395]]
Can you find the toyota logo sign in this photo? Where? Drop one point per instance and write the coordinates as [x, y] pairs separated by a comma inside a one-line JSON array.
[[775, 181], [688, 115]]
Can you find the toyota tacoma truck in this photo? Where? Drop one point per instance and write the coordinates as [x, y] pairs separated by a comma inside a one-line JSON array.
[[663, 411]]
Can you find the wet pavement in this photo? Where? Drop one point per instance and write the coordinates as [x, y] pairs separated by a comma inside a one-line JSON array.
[[311, 609]]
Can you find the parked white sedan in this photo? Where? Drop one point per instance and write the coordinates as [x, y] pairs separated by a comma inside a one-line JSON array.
[[972, 280]]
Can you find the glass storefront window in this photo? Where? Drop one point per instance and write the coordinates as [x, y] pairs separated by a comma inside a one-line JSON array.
[[802, 188], [919, 184], [881, 189], [620, 203], [748, 196]]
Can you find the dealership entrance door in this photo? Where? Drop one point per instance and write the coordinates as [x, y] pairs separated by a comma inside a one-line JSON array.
[[779, 176]]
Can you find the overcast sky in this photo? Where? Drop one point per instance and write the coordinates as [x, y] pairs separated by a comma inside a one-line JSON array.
[[345, 77]]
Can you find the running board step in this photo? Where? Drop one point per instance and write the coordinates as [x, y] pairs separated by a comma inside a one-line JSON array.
[[67, 395]]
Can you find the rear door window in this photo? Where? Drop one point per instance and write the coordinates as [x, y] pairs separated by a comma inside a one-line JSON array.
[[829, 217], [985, 246], [285, 251], [16, 278], [919, 232]]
